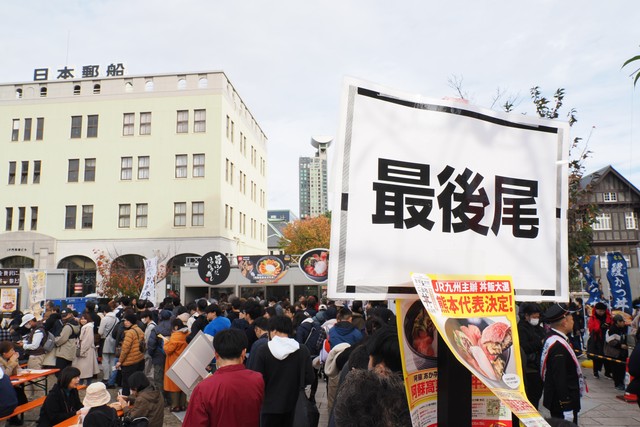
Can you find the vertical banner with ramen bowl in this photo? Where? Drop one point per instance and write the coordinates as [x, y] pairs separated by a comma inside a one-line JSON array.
[[475, 316], [419, 348]]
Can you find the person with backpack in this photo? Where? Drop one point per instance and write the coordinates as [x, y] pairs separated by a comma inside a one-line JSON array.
[[67, 341], [33, 343], [150, 329], [132, 353]]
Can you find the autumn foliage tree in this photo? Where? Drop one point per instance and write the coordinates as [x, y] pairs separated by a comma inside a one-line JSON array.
[[307, 233], [116, 279]]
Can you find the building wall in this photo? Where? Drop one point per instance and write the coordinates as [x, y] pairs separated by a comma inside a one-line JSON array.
[[232, 137]]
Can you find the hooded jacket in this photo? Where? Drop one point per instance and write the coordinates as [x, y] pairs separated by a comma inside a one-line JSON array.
[[67, 341], [344, 332], [281, 363]]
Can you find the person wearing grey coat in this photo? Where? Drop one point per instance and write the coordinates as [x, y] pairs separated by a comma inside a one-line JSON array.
[[67, 341], [107, 325]]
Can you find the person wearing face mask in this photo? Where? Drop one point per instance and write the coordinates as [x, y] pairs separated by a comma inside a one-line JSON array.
[[532, 336]]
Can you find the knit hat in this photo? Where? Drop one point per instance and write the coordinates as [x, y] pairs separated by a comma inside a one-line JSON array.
[[131, 318], [97, 395], [165, 314]]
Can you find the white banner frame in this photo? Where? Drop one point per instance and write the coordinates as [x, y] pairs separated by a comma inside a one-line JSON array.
[[374, 261]]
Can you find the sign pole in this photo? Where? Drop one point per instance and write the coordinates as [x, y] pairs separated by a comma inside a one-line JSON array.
[[454, 389]]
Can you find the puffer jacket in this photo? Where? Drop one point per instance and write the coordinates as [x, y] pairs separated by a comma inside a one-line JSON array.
[[67, 341], [130, 354]]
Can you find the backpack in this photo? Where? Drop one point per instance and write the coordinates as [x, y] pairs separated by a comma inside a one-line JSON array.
[[314, 340], [142, 344], [48, 341]]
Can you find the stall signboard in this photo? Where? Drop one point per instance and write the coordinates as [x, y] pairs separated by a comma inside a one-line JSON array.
[[475, 317], [314, 264], [263, 269], [9, 277], [214, 268], [8, 299], [77, 304], [436, 185]]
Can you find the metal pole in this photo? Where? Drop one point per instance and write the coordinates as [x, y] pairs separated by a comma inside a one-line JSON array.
[[454, 389]]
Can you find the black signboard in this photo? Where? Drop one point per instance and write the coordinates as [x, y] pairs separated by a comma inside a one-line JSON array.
[[214, 268]]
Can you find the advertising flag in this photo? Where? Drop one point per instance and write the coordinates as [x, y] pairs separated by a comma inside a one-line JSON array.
[[149, 289], [619, 282], [587, 262]]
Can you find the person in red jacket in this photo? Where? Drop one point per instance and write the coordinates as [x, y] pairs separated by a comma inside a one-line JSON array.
[[233, 395], [599, 323]]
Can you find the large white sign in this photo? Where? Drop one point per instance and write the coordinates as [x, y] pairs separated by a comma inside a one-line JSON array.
[[433, 185]]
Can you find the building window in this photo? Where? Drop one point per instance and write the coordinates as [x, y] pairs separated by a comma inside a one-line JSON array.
[[76, 126], [87, 216], [74, 167], [631, 220], [183, 121], [43, 92], [27, 130], [24, 175], [18, 93], [198, 165], [96, 89], [89, 170], [232, 130], [145, 123], [124, 216], [39, 128], [143, 167], [34, 217], [15, 130], [181, 166], [180, 214], [228, 128], [9, 221], [230, 217], [226, 216], [603, 222], [126, 168], [199, 120], [12, 173], [92, 126], [197, 214], [128, 123], [76, 90], [70, 218], [231, 172], [610, 197], [21, 214], [36, 171], [141, 215]]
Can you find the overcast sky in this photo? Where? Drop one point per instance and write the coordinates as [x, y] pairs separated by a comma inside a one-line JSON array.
[[287, 59]]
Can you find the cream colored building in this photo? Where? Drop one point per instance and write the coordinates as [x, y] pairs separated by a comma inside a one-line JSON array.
[[168, 165]]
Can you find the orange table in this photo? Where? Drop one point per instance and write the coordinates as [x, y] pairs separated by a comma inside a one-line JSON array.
[[39, 378], [76, 420]]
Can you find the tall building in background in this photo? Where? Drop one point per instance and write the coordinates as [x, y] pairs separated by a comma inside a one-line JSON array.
[[313, 179], [168, 165]]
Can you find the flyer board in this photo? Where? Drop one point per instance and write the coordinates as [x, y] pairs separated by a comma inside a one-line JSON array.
[[475, 316], [422, 184]]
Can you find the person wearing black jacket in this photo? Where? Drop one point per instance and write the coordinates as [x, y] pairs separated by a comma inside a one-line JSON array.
[[200, 320], [99, 415], [616, 347], [63, 401], [532, 337], [561, 373]]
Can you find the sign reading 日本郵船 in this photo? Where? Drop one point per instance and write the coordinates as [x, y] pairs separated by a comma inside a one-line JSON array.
[[436, 185]]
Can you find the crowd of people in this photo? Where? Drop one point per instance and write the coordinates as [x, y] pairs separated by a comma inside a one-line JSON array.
[[269, 356], [267, 353], [552, 343]]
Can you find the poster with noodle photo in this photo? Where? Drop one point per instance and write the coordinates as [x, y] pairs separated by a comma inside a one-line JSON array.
[[475, 317]]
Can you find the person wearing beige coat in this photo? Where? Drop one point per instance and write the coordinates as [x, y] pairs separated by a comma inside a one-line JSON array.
[[86, 360]]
